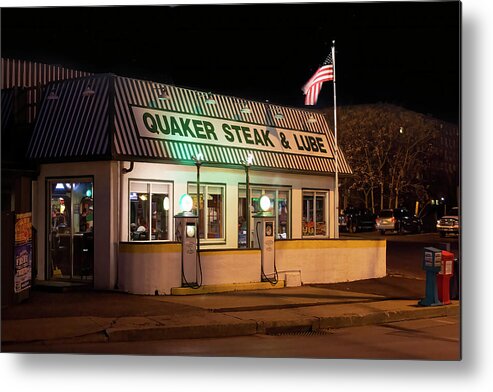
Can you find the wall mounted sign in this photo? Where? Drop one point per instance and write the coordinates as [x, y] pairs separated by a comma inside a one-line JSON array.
[[23, 252], [180, 127]]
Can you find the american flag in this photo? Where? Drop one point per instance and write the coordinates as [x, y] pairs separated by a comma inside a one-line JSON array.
[[324, 74]]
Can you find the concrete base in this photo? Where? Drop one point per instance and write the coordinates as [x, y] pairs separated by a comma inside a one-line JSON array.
[[222, 288]]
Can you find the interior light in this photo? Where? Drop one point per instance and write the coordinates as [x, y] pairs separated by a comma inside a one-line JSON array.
[[265, 203], [68, 186], [166, 203], [89, 193], [59, 186], [186, 203], [133, 196], [143, 197]]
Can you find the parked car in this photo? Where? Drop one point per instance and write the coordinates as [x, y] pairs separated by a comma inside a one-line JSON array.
[[398, 220], [449, 224], [357, 219]]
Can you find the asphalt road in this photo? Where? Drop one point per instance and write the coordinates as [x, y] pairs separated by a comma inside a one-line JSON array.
[[426, 339]]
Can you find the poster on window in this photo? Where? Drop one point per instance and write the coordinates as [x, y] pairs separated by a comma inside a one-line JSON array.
[[23, 252]]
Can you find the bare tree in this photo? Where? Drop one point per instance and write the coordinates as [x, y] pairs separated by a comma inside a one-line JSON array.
[[388, 149]]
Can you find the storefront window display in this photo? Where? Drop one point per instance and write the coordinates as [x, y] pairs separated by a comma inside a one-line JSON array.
[[315, 208], [211, 210], [150, 215], [280, 208]]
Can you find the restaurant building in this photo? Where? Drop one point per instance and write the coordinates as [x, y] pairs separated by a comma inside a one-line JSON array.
[[116, 155]]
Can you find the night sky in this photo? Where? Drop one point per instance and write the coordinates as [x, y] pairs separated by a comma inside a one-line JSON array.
[[407, 54]]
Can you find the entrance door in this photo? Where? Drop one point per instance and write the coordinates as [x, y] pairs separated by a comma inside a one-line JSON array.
[[71, 223]]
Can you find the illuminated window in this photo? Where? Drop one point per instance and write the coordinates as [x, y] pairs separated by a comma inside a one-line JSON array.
[[315, 214], [280, 203], [211, 210], [150, 214]]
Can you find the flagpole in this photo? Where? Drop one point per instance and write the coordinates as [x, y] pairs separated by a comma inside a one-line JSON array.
[[336, 150]]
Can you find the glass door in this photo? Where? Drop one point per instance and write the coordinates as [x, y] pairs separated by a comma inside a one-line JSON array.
[[71, 229]]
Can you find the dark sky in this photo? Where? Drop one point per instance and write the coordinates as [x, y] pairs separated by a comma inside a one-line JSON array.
[[402, 53]]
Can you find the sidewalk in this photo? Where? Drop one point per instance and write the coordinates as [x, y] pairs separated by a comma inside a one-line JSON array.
[[92, 316]]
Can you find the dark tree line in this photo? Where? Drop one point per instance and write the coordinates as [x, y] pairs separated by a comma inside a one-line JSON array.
[[393, 152]]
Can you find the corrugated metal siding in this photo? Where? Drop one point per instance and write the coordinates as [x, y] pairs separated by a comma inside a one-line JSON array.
[[127, 142], [7, 97], [32, 76], [74, 126]]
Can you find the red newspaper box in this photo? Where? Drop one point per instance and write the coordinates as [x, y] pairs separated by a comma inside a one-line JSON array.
[[443, 277]]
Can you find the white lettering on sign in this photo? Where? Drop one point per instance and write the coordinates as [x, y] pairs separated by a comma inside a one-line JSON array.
[[163, 124]]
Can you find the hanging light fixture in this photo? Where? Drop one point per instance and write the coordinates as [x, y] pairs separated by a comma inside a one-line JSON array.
[[245, 109], [277, 114], [52, 96], [88, 92], [163, 94], [209, 100], [311, 119]]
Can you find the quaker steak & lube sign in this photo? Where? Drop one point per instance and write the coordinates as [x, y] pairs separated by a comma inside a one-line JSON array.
[[162, 124]]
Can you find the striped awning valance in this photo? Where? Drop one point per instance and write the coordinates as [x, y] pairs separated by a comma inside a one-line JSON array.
[[150, 121], [74, 121]]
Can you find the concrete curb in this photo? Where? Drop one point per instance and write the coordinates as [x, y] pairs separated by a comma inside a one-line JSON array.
[[181, 332], [388, 316], [354, 320], [210, 325], [266, 327]]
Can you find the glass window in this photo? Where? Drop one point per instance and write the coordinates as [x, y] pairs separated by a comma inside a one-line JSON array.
[[211, 210], [315, 214], [279, 207], [150, 218]]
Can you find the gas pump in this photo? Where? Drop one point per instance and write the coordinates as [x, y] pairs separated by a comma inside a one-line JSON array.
[[186, 232], [264, 224]]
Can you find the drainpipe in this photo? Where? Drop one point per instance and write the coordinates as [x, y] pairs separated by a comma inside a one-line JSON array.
[[123, 171]]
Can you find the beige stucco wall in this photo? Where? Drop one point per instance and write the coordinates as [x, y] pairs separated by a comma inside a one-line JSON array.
[[147, 268], [106, 215], [332, 261], [117, 265]]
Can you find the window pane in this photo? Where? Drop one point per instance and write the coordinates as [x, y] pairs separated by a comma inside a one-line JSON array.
[[211, 210], [308, 218], [160, 217], [321, 224], [282, 215], [139, 213], [192, 191], [214, 215]]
